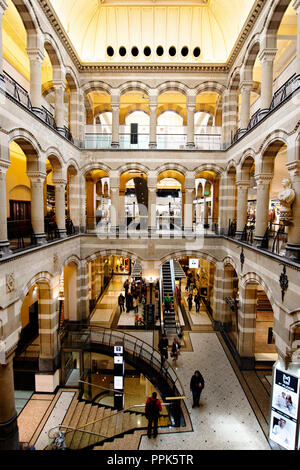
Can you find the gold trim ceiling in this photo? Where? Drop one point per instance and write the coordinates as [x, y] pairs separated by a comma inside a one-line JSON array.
[[87, 29]]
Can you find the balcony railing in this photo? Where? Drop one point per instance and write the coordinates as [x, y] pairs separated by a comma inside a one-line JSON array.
[[167, 138], [15, 91], [290, 87]]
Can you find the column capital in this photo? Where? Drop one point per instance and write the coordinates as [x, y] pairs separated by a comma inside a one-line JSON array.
[[263, 179], [243, 184], [36, 176], [294, 168], [267, 55], [59, 182], [58, 83], [35, 54], [246, 85]]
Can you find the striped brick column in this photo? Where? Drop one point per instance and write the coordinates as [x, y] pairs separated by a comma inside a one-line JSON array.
[[229, 115], [231, 197], [218, 298], [74, 114], [242, 205], [223, 221], [74, 200], [48, 325], [37, 205], [247, 319], [4, 243], [83, 291], [9, 434]]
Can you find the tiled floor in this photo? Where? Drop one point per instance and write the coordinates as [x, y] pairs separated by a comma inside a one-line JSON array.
[[234, 405]]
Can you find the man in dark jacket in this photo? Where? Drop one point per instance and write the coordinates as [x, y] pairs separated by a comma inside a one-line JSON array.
[[121, 300], [196, 386], [152, 410], [163, 346]]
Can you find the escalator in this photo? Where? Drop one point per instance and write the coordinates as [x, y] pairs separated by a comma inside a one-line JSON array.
[[167, 287]]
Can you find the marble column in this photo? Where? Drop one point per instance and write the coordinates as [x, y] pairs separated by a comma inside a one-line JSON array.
[[296, 6], [3, 7], [152, 130], [266, 58], [59, 103], [9, 434], [114, 197], [115, 139], [36, 57], [262, 207], [188, 210], [60, 206], [121, 212], [4, 243], [37, 206], [293, 245], [245, 88], [242, 205], [152, 209], [190, 126]]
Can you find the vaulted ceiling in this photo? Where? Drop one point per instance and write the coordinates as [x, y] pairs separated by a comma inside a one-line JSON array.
[[98, 28]]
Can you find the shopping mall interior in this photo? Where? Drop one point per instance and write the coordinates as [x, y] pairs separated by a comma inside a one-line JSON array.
[[149, 149]]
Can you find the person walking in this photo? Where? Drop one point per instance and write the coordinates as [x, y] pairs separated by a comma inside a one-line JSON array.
[[190, 302], [135, 304], [175, 350], [121, 301], [129, 305], [163, 346], [197, 300], [196, 386], [152, 409]]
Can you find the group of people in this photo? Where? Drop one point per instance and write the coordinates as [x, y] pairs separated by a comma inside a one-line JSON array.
[[197, 300], [134, 294], [163, 347]]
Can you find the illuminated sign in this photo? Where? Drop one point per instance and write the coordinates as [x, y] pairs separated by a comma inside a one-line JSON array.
[[193, 263]]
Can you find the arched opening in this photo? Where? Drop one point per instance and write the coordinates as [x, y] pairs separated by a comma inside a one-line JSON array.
[[55, 199], [72, 201], [98, 200], [232, 200], [98, 128], [231, 304], [206, 201], [171, 121], [170, 196], [286, 39], [24, 195], [208, 120], [133, 215], [134, 119]]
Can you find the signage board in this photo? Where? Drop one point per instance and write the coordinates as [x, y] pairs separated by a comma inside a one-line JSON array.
[[284, 410], [193, 263]]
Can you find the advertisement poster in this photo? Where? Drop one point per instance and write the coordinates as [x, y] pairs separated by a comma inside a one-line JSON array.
[[283, 424]]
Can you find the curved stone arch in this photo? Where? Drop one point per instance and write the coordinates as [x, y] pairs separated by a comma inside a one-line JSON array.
[[252, 51], [278, 135], [94, 166], [28, 16], [72, 162], [210, 86], [252, 277], [125, 112], [231, 164], [53, 51], [134, 86], [234, 80], [41, 277], [54, 152], [133, 166], [70, 259], [173, 86], [73, 84], [171, 166], [208, 167], [273, 21], [27, 142], [249, 153], [194, 253], [175, 108], [114, 251], [228, 260], [96, 85]]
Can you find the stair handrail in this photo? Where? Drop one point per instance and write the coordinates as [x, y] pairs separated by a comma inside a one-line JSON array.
[[165, 366], [79, 428]]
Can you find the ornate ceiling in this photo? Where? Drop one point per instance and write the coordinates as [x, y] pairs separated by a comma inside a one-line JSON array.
[[153, 31]]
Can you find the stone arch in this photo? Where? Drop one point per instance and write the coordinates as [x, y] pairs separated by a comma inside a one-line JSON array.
[[210, 86], [208, 167], [194, 253], [55, 155], [43, 276], [234, 80], [27, 15], [72, 163], [53, 51], [96, 85], [116, 252], [94, 166], [252, 277], [273, 22], [171, 166], [134, 86], [252, 52], [133, 166], [27, 139], [173, 86]]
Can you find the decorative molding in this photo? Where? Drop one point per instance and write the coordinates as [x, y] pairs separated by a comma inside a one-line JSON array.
[[216, 68], [10, 283]]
